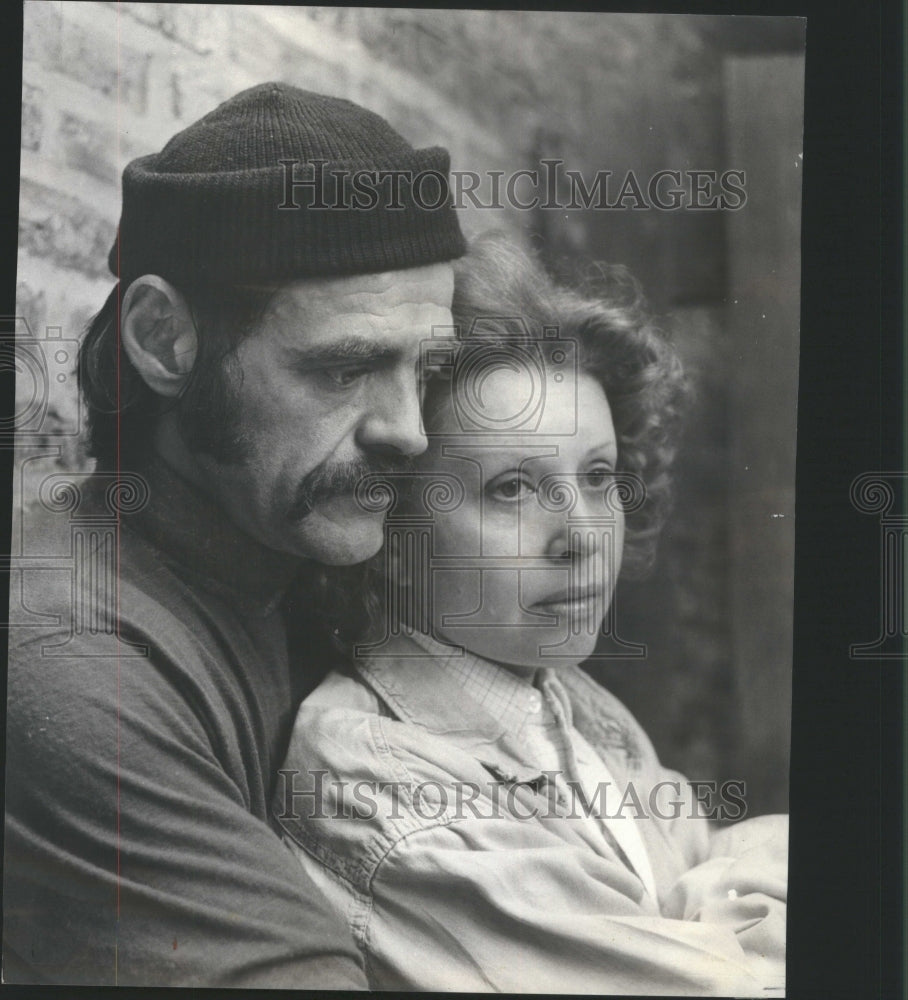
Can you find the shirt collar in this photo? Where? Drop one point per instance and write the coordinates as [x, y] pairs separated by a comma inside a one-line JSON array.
[[199, 541], [449, 691], [515, 701]]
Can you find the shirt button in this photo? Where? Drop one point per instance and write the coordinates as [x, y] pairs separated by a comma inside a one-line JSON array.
[[534, 703], [732, 893]]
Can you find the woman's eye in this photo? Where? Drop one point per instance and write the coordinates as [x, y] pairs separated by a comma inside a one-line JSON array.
[[511, 488], [596, 479]]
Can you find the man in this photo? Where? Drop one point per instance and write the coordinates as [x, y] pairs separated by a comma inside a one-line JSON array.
[[259, 354]]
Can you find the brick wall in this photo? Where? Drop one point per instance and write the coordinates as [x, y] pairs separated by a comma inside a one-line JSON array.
[[105, 82]]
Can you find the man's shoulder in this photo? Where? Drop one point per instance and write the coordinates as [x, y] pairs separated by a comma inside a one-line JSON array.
[[100, 626], [86, 662], [85, 577]]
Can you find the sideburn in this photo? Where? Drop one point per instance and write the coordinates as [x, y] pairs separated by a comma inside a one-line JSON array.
[[210, 410]]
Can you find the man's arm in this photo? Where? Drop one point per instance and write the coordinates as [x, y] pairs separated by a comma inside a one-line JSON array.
[[131, 855]]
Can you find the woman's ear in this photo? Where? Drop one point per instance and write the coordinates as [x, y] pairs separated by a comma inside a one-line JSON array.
[[158, 334]]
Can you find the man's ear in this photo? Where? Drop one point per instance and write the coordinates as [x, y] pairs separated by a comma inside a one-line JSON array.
[[158, 334]]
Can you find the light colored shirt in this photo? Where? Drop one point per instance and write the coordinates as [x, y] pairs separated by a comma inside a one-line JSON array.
[[416, 795], [539, 716]]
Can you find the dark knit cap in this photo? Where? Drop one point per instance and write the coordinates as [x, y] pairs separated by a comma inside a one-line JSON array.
[[217, 205]]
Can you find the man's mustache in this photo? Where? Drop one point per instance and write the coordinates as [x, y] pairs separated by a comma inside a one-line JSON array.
[[331, 480]]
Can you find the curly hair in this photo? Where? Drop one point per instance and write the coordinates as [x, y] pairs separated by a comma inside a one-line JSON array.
[[618, 344], [502, 293]]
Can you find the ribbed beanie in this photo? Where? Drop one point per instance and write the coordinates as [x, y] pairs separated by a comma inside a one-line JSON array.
[[217, 205]]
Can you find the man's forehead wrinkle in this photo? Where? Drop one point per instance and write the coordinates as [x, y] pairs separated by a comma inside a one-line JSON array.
[[373, 302], [317, 306]]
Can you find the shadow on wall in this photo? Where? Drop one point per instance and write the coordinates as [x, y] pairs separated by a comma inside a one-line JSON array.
[[717, 614]]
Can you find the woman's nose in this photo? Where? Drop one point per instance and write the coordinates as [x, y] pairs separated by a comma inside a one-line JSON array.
[[574, 540]]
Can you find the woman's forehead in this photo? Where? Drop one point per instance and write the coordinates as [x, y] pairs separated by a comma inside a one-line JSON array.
[[507, 395], [571, 418]]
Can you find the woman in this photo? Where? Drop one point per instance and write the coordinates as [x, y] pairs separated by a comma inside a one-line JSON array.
[[486, 816]]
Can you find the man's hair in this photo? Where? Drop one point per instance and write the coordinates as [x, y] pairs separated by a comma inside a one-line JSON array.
[[502, 294], [121, 409]]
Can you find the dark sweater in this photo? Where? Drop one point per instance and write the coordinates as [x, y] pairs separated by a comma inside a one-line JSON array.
[[140, 768]]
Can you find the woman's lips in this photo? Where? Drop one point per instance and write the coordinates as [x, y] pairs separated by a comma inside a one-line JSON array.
[[571, 602]]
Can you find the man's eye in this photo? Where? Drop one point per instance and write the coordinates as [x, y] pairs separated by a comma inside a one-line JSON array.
[[510, 488], [344, 377]]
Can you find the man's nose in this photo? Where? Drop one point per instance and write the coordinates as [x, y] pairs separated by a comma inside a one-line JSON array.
[[392, 422]]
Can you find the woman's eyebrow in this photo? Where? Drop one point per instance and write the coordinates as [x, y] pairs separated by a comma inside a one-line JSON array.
[[609, 447], [361, 349]]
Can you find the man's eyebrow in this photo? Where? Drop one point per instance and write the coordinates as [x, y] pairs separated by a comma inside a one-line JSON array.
[[341, 351]]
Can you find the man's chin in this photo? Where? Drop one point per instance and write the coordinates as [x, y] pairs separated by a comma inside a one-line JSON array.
[[339, 538]]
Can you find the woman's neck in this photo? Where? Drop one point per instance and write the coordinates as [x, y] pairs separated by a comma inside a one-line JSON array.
[[526, 672]]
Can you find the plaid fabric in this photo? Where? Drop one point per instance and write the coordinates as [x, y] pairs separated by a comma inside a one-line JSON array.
[[513, 700], [524, 707]]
